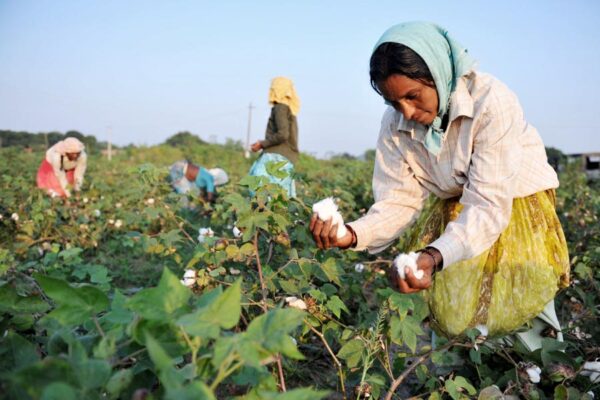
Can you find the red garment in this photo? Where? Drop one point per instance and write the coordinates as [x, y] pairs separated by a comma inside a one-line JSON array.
[[46, 179]]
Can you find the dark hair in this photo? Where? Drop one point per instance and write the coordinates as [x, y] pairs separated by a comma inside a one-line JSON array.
[[395, 58]]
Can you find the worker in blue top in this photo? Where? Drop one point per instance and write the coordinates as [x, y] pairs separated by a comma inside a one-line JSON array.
[[186, 175]]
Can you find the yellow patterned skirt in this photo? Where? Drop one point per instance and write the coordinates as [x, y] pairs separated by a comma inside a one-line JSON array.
[[507, 285]]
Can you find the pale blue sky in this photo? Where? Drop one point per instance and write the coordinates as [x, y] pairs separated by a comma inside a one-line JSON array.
[[150, 69]]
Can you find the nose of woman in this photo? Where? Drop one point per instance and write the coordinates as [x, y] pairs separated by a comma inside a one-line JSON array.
[[407, 109]]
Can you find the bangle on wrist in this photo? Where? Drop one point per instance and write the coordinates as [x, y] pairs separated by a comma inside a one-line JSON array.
[[354, 239], [430, 251]]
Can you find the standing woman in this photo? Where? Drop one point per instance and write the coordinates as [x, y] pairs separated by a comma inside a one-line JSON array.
[[493, 250], [64, 165], [281, 138]]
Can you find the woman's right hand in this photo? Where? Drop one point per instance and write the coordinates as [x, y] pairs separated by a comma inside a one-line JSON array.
[[256, 146], [326, 235]]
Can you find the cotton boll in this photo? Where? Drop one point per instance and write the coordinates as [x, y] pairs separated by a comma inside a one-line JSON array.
[[592, 369], [118, 205], [408, 260], [591, 394], [236, 232], [534, 373], [118, 223], [85, 200], [234, 271], [188, 282], [359, 268], [327, 209], [97, 213], [482, 329], [295, 302], [111, 221], [203, 233], [189, 273], [150, 201], [15, 217]]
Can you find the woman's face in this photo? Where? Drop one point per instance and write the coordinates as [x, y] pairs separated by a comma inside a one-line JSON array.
[[414, 99], [72, 156]]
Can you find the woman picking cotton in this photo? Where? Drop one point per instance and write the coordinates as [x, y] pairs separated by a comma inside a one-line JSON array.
[[494, 254], [281, 138], [63, 166], [185, 176]]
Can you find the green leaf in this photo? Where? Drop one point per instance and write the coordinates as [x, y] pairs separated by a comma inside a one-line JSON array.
[[552, 351], [118, 313], [295, 394], [561, 393], [352, 352], [401, 303], [332, 270], [463, 383], [272, 331], [452, 389], [336, 306], [12, 303], [491, 393], [59, 391], [239, 203], [119, 381], [405, 331], [16, 352], [92, 374], [161, 303], [164, 364], [215, 312], [74, 304], [194, 391]]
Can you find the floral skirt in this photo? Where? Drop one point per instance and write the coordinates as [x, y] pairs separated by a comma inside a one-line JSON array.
[[259, 168], [507, 285]]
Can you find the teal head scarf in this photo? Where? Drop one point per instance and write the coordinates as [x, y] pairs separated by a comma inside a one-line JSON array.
[[447, 61]]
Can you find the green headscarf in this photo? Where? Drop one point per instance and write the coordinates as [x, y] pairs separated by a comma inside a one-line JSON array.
[[447, 61]]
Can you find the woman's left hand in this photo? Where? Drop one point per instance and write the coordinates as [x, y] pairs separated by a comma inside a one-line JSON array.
[[411, 284]]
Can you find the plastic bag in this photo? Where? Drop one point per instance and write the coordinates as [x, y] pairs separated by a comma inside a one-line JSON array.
[[507, 285]]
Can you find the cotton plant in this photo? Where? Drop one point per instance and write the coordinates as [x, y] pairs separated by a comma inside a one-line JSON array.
[[236, 232], [403, 261], [15, 217], [327, 209]]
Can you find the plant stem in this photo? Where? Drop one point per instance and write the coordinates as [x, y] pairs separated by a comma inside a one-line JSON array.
[[335, 359], [97, 323], [414, 365], [263, 289]]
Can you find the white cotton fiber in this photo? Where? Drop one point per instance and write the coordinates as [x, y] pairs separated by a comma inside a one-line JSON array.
[[407, 260], [327, 209]]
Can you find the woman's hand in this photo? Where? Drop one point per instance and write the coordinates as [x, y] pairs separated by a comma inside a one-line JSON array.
[[326, 235], [256, 146], [411, 284]]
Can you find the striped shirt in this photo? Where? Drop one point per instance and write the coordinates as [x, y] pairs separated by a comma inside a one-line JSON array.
[[489, 156]]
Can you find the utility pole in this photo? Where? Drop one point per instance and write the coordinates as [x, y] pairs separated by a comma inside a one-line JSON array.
[[247, 152], [109, 147]]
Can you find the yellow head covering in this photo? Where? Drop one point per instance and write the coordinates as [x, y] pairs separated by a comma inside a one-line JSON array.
[[282, 91]]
